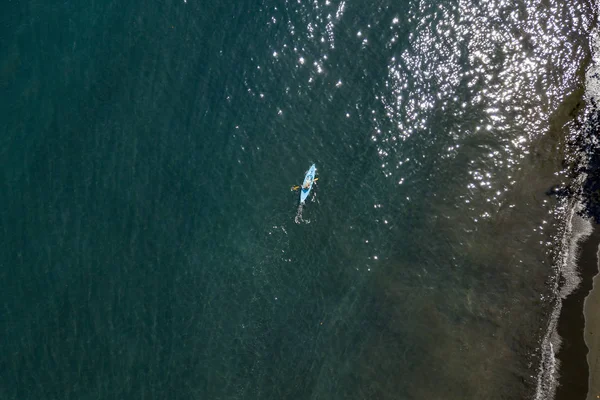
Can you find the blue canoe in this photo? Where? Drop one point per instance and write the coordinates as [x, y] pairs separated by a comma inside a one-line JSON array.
[[308, 178]]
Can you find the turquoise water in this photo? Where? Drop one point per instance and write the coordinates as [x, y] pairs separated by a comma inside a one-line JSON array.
[[152, 248]]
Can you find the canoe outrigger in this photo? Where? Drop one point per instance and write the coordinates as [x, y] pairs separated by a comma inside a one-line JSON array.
[[309, 179]]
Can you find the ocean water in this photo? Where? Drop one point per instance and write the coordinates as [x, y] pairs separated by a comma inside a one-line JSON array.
[[151, 247]]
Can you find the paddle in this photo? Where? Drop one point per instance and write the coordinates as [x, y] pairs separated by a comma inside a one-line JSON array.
[[294, 188]]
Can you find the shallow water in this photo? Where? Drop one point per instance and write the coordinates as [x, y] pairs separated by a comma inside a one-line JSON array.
[[149, 242]]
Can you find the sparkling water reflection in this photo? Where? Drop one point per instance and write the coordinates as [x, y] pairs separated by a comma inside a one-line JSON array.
[[458, 125]]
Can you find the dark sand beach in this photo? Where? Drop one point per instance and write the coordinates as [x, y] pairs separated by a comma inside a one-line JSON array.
[[592, 336], [573, 382]]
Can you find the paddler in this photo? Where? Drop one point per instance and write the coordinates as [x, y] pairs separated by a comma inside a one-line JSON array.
[[305, 185]]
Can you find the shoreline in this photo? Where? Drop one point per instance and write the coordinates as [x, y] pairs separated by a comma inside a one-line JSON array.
[[571, 325], [572, 344]]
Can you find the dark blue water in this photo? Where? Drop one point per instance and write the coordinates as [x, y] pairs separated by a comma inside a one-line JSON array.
[[151, 246]]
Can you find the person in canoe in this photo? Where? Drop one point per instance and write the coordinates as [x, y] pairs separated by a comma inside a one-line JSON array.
[[306, 184]]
